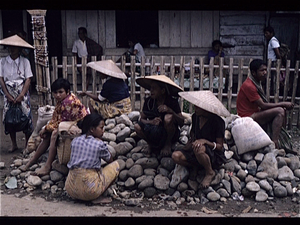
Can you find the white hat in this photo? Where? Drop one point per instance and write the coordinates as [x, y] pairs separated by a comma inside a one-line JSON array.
[[205, 100], [108, 67], [145, 82], [15, 40]]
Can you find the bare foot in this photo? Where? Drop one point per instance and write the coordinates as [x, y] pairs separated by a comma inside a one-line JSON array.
[[147, 150], [207, 179], [45, 170], [166, 151]]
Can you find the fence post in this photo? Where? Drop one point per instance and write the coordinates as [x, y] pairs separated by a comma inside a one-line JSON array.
[[181, 78], [268, 79], [64, 67], [201, 70], [287, 79], [276, 95], [94, 84], [132, 84], [220, 88], [142, 90], [230, 82], [192, 83], [211, 74], [74, 73], [240, 74]]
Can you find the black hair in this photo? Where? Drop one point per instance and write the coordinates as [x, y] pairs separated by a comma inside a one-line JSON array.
[[83, 29], [215, 42], [256, 64], [89, 121], [61, 83], [269, 29]]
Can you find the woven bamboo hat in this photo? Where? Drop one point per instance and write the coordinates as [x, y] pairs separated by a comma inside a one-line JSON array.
[[172, 87], [15, 40], [109, 68], [205, 100]]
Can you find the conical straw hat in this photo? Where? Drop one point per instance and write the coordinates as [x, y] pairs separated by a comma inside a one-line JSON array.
[[173, 88], [205, 100], [108, 67], [15, 40]]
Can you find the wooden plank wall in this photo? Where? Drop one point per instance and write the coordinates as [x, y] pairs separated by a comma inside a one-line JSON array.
[[187, 29], [243, 30]]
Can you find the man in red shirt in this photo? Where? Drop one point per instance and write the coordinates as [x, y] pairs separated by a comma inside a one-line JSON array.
[[251, 101]]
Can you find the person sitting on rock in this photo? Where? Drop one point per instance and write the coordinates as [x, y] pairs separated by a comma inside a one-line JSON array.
[[205, 145], [68, 108], [161, 114], [86, 179], [114, 98], [251, 101]]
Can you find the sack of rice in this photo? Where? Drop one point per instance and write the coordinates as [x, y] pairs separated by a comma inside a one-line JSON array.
[[248, 135]]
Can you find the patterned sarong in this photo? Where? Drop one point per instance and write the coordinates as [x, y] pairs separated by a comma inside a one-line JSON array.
[[15, 89], [110, 110], [89, 184]]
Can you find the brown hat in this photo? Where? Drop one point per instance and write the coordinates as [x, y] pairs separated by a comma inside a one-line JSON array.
[[173, 88], [109, 68], [205, 100], [15, 40]]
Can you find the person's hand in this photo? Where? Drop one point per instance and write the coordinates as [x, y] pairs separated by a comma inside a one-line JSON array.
[[83, 93], [156, 121], [163, 109], [288, 105], [197, 145], [10, 98], [43, 133], [19, 99]]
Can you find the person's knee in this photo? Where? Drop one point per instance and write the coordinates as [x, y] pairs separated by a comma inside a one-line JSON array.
[[280, 112], [168, 119], [137, 128], [177, 156]]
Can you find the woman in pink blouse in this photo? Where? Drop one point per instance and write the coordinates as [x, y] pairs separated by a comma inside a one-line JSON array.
[[68, 108]]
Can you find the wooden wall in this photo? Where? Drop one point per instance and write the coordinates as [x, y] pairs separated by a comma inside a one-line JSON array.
[[243, 30]]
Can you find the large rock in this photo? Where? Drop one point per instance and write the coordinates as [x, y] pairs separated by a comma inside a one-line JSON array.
[[109, 137], [161, 182], [34, 180], [180, 174], [123, 148], [167, 163], [285, 174], [135, 171], [269, 165], [148, 162], [123, 134]]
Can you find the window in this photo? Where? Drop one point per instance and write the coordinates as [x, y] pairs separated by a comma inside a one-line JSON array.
[[141, 25]]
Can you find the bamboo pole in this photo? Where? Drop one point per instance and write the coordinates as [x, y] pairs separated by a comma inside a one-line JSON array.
[[201, 76], [211, 74], [220, 88], [230, 82], [287, 79], [132, 84], [181, 78], [65, 67], [94, 82], [276, 95], [240, 74], [268, 79], [142, 90], [172, 68], [192, 83]]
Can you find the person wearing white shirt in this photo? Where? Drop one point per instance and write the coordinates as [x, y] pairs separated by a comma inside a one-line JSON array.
[[273, 53]]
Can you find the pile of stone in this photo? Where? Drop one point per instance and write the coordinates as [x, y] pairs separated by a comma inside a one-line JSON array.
[[261, 174]]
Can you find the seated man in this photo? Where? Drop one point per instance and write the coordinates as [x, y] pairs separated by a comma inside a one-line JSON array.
[[252, 102]]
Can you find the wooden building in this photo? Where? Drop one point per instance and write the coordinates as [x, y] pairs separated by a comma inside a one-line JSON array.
[[172, 32]]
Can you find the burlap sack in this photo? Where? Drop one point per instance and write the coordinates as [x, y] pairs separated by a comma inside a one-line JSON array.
[[67, 131], [248, 135], [44, 115]]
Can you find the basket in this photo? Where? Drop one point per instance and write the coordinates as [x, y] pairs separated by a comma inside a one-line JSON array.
[[67, 131]]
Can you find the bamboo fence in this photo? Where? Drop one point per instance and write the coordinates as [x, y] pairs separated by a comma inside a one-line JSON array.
[[189, 75]]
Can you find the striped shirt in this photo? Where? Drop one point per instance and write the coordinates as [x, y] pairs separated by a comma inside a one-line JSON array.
[[87, 152]]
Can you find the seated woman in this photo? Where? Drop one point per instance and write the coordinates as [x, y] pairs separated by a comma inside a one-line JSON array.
[[113, 99], [161, 114], [205, 146], [68, 108], [86, 179]]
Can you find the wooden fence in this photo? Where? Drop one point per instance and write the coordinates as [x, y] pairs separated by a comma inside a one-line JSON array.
[[191, 73]]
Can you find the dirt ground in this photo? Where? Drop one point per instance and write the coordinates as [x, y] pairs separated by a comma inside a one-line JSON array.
[[39, 203]]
